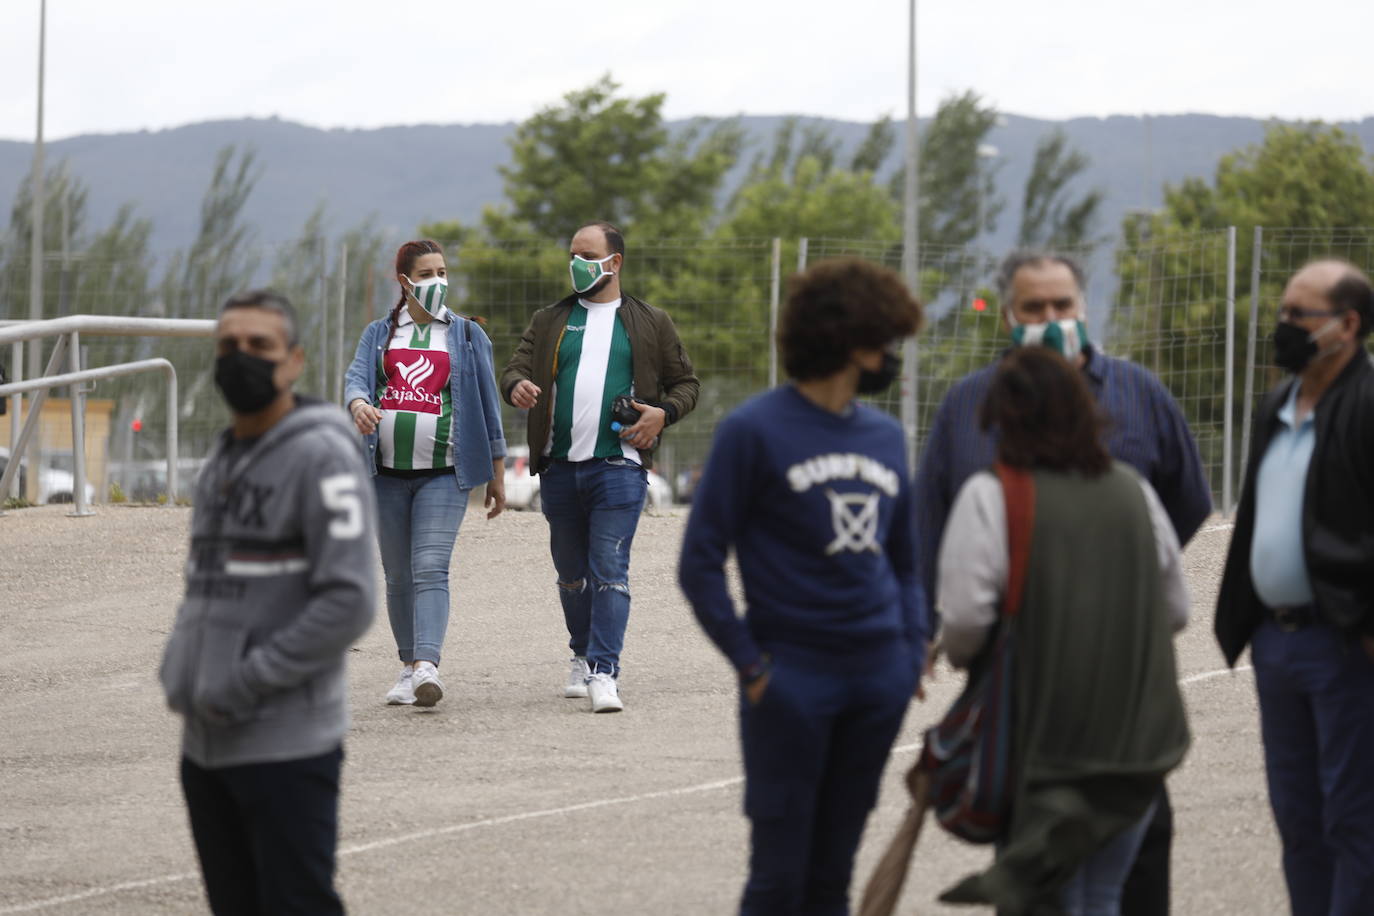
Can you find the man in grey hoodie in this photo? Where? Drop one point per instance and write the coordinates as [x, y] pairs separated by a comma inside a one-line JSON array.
[[279, 583]]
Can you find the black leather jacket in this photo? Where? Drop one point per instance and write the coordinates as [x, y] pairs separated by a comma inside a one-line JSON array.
[[1337, 513]]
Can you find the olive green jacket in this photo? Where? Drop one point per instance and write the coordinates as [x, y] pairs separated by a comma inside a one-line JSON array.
[[663, 375], [1099, 715]]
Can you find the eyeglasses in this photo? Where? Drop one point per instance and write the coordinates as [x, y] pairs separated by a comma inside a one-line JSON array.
[[1298, 313]]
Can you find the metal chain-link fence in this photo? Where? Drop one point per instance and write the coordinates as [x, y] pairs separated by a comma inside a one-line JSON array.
[[1181, 305]]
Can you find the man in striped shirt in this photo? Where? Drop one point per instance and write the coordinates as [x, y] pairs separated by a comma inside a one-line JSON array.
[[575, 358], [1042, 300]]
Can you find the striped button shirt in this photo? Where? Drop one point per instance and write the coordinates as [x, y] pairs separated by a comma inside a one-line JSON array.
[[413, 392], [1145, 429]]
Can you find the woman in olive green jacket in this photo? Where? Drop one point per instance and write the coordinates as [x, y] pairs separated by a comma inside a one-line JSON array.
[[1099, 719]]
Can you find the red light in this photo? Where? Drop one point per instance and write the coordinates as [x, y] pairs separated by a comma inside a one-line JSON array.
[[980, 305], [136, 425]]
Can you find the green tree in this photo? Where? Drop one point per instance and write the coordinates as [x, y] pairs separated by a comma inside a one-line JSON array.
[[1050, 218], [795, 193], [219, 263], [602, 155], [956, 186], [1172, 263], [64, 222], [795, 188]]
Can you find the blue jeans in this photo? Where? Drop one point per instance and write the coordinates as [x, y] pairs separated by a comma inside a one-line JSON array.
[[1316, 699], [814, 748], [266, 833], [1095, 889], [417, 523], [593, 508]]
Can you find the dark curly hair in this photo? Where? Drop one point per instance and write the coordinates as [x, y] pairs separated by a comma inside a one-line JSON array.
[[840, 305], [1044, 414]]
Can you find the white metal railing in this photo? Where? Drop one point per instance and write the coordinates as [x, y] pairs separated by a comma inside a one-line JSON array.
[[78, 448], [68, 331]]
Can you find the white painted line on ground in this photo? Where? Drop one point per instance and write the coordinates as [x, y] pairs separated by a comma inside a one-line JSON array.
[[532, 815], [486, 822], [1224, 526], [1208, 675], [98, 891]]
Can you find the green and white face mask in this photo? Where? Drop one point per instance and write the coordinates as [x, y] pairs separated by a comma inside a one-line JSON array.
[[430, 294], [586, 274], [1068, 337]]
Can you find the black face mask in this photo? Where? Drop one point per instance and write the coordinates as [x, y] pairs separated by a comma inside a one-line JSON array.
[[872, 382], [245, 381], [1293, 347]]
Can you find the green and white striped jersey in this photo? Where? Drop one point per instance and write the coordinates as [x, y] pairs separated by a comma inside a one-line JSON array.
[[593, 365], [413, 393]]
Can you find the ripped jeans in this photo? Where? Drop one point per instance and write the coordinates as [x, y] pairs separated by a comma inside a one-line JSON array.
[[593, 509]]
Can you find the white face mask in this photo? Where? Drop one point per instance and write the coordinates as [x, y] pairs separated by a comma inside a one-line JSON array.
[[430, 294]]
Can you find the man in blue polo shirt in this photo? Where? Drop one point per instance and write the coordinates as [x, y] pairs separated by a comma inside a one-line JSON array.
[[1042, 301], [1299, 588]]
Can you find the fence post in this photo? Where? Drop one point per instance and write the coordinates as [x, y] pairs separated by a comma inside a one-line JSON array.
[[339, 324], [1250, 353], [773, 293], [78, 405], [1228, 415], [173, 490], [322, 304], [801, 254], [16, 407], [32, 422]]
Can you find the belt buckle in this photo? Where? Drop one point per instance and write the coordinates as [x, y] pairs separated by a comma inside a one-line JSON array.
[[1286, 620]]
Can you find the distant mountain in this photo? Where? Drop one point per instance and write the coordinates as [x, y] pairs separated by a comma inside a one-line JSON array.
[[403, 176]]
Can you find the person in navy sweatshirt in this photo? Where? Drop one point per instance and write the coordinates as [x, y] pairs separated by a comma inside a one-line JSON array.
[[810, 488]]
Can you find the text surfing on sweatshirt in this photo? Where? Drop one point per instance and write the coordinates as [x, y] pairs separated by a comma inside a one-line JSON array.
[[822, 469]]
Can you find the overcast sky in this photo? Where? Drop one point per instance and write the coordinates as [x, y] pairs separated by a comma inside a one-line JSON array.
[[132, 64]]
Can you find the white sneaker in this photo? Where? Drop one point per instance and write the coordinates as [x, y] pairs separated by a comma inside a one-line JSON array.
[[403, 694], [428, 688], [605, 698], [578, 672]]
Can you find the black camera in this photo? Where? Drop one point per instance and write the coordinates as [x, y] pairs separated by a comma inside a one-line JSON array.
[[623, 410]]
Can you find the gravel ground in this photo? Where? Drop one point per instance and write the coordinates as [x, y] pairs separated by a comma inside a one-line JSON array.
[[505, 798]]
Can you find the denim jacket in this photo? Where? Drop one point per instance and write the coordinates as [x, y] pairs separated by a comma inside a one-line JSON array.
[[478, 438]]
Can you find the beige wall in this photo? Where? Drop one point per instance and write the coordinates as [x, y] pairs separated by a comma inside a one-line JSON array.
[[55, 434]]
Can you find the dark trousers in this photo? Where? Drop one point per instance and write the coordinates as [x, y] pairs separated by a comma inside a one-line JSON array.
[[1146, 892], [1316, 698], [814, 749], [266, 833]]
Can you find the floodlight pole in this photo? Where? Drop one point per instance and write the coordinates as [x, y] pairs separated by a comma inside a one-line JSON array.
[[38, 205], [910, 241]]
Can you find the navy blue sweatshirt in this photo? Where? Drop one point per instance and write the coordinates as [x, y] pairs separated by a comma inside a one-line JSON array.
[[817, 507]]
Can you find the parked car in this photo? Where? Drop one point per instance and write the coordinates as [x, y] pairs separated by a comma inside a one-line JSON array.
[[687, 480], [522, 487], [54, 484], [146, 480]]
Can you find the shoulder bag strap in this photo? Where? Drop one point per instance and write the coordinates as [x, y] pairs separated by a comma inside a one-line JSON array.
[[1018, 490]]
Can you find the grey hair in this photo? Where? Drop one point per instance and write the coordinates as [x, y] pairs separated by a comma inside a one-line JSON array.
[[1019, 259], [270, 301]]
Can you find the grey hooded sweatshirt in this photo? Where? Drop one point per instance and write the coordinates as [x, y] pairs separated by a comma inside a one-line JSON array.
[[279, 583]]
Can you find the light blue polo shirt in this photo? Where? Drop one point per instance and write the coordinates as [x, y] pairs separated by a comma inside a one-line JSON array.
[[1277, 565]]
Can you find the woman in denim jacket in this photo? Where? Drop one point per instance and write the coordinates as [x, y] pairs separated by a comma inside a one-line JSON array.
[[422, 392]]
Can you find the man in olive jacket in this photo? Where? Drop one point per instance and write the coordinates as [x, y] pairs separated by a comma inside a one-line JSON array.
[[1299, 588], [575, 358]]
